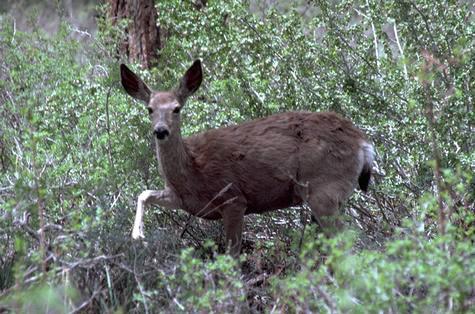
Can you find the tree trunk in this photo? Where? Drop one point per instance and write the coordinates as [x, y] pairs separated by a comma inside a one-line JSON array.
[[143, 34]]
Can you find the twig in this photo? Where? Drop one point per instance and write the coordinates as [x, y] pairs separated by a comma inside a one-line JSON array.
[[363, 211], [80, 32], [255, 280], [359, 55], [197, 241], [86, 263], [116, 198], [139, 284], [31, 270], [303, 221], [40, 204], [178, 304], [429, 32], [437, 171], [14, 31], [326, 297], [375, 38], [108, 128], [87, 302], [220, 193], [380, 207], [401, 51]]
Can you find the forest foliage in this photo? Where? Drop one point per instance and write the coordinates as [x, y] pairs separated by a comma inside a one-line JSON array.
[[75, 152]]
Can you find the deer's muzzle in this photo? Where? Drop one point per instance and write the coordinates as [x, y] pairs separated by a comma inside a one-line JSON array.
[[161, 133]]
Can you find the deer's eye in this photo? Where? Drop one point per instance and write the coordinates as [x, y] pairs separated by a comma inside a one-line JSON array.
[[150, 110], [177, 110]]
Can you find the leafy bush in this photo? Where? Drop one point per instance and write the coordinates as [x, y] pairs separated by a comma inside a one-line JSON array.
[[410, 274], [197, 285], [75, 152]]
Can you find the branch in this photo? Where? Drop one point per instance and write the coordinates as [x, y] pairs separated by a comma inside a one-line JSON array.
[[401, 51], [87, 302]]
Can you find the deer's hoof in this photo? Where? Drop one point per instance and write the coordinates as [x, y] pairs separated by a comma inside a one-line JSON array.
[[137, 234]]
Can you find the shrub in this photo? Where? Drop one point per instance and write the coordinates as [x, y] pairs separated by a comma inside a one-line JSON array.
[[75, 152]]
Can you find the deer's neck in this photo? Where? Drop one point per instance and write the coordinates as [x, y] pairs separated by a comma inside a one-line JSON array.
[[175, 163]]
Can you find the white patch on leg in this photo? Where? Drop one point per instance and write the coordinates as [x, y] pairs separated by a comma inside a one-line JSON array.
[[137, 231]]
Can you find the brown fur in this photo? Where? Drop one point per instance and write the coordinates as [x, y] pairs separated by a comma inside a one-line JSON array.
[[275, 162], [269, 159]]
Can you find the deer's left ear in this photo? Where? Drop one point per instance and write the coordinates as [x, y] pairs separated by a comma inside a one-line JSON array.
[[191, 81]]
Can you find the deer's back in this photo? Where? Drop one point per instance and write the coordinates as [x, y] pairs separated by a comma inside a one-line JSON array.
[[268, 159]]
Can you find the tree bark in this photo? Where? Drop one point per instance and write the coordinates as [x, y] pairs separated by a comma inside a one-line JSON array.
[[143, 34]]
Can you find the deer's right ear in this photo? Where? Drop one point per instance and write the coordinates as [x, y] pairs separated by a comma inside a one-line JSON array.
[[133, 85]]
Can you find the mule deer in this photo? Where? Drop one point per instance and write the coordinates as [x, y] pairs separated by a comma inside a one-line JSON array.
[[266, 164]]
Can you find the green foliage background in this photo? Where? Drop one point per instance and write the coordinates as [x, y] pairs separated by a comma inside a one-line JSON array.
[[75, 152]]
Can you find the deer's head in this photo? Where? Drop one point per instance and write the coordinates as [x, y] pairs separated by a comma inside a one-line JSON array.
[[163, 106]]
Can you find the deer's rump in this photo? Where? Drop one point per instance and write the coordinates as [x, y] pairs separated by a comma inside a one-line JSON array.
[[270, 161]]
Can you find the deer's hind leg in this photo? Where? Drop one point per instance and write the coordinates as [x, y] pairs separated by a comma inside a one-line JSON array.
[[325, 200]]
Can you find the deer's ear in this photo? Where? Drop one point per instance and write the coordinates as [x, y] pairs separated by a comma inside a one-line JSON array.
[[133, 85], [191, 81]]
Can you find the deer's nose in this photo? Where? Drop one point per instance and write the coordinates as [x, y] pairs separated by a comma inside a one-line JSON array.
[[161, 132]]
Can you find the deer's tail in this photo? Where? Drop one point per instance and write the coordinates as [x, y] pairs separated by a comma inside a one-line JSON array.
[[367, 153]]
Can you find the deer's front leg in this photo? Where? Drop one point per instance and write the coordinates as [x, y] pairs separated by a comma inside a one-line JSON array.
[[233, 217], [165, 198]]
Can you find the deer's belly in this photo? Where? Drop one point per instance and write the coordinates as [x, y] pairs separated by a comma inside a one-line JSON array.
[[272, 198]]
